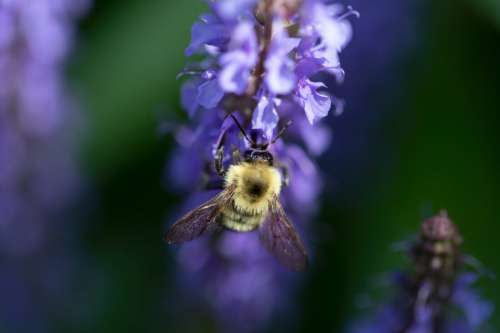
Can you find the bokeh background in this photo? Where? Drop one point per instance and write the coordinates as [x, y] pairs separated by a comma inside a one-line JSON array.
[[420, 132]]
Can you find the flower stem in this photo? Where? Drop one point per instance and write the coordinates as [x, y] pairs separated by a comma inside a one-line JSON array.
[[258, 73]]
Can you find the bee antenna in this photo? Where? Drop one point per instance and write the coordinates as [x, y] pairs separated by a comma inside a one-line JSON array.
[[241, 129], [282, 131]]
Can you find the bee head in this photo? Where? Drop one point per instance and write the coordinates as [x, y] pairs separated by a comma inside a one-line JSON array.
[[258, 151], [259, 154]]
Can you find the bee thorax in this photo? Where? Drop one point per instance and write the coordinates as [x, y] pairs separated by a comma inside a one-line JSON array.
[[255, 189], [254, 182]]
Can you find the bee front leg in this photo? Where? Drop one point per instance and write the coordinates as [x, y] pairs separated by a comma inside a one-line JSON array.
[[219, 161]]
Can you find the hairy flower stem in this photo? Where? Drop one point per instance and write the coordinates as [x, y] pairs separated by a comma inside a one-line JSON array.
[[437, 259], [258, 73]]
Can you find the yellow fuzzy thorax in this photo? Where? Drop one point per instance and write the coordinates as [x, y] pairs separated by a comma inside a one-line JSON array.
[[246, 175]]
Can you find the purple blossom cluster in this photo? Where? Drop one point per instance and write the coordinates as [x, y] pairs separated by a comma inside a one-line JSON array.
[[438, 296], [268, 52], [260, 61], [38, 174]]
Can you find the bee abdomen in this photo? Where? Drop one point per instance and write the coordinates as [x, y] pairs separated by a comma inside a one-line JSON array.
[[239, 220]]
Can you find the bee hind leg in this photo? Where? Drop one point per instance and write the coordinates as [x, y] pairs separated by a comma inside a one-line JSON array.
[[285, 174]]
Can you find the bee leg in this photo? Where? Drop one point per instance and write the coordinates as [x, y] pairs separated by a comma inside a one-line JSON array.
[[236, 155], [219, 161], [285, 174]]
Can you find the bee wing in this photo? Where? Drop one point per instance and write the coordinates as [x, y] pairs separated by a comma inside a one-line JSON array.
[[280, 237], [200, 220]]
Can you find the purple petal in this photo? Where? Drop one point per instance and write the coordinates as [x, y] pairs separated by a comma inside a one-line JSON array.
[[315, 104], [335, 33], [265, 117], [324, 35], [207, 32], [307, 67], [225, 136], [476, 310], [234, 77], [239, 60], [189, 92], [209, 94], [305, 179], [280, 76], [317, 138], [6, 29]]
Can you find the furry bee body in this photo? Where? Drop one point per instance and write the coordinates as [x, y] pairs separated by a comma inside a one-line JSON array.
[[249, 201], [256, 184]]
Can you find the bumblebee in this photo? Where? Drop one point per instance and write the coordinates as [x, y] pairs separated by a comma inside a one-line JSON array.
[[249, 201]]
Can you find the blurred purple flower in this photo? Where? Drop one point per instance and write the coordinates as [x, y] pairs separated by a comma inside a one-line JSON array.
[[37, 165], [438, 295], [38, 173], [259, 61], [325, 32], [475, 310], [232, 9], [239, 278]]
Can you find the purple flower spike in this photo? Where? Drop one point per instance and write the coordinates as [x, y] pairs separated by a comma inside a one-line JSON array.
[[428, 297], [35, 111], [39, 178], [260, 59]]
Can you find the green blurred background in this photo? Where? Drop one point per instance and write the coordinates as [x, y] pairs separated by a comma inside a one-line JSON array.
[[439, 135]]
